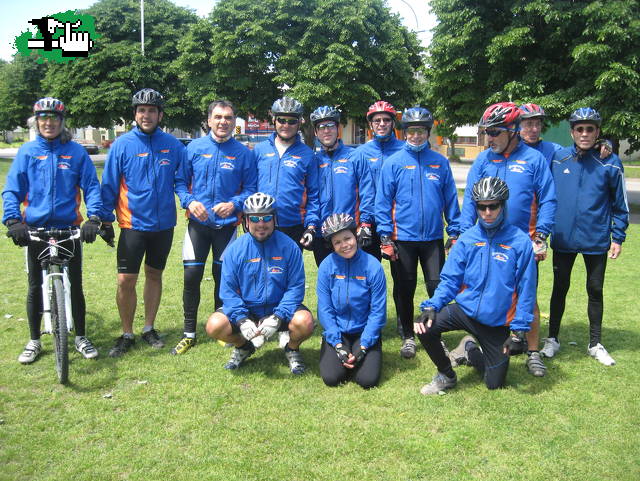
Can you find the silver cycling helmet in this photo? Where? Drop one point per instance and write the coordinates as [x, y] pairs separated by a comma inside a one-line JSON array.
[[259, 203], [490, 189], [336, 223], [287, 106]]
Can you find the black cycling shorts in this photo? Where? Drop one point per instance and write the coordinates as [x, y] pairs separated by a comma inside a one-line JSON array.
[[133, 245]]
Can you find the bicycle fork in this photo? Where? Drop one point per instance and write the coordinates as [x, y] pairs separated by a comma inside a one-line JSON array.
[[47, 290]]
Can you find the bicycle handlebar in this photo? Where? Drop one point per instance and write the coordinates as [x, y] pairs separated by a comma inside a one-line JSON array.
[[43, 234]]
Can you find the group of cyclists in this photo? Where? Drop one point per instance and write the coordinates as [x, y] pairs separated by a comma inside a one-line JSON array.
[[388, 198]]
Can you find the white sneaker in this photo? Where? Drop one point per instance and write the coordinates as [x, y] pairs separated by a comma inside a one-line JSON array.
[[31, 352], [85, 347], [550, 348], [599, 353]]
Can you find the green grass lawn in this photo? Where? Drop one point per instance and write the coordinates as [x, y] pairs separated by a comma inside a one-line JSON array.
[[151, 416]]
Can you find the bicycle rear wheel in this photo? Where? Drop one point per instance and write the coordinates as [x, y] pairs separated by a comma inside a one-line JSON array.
[[59, 327]]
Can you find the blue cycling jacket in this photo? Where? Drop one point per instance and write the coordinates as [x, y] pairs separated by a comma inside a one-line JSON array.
[[376, 152], [532, 198], [292, 180], [262, 278], [414, 191], [352, 297], [547, 149], [216, 172], [592, 202], [46, 177], [493, 279], [139, 180], [345, 185]]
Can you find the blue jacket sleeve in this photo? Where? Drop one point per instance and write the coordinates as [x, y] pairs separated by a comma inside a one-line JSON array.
[[546, 196], [90, 186], [378, 308], [183, 180], [451, 278], [110, 184], [294, 295], [366, 189], [469, 215], [385, 194], [232, 304], [619, 205], [15, 189], [249, 181], [526, 289], [326, 310], [312, 216], [451, 206]]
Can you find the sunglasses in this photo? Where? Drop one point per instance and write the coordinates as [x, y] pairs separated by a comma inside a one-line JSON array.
[[589, 129], [416, 131], [282, 121], [264, 218], [495, 132], [383, 120], [47, 116], [482, 208], [326, 126]]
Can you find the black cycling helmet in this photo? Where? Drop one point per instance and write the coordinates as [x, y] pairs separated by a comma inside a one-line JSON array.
[[259, 203], [287, 106], [336, 223], [585, 115], [489, 189], [324, 113], [148, 97], [417, 117], [49, 105]]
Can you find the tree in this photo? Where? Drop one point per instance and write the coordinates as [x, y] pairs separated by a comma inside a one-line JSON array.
[[345, 54], [561, 55], [97, 90], [20, 87]]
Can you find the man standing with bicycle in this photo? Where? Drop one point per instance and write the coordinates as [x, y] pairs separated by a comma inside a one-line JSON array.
[[44, 178], [139, 183]]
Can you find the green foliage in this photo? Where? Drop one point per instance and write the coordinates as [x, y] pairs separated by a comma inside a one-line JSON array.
[[561, 55], [20, 87], [98, 89], [347, 54]]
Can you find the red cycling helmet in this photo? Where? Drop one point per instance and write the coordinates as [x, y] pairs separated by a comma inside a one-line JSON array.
[[531, 111], [381, 107], [502, 114]]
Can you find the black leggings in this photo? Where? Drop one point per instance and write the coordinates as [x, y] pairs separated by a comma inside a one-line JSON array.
[[404, 272], [491, 363], [34, 293], [562, 266], [366, 374], [198, 241]]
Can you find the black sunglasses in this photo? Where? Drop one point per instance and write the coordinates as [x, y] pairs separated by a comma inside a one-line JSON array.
[[494, 132], [282, 121], [588, 129], [488, 206]]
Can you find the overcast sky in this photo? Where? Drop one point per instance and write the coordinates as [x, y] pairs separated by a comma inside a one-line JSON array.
[[17, 13]]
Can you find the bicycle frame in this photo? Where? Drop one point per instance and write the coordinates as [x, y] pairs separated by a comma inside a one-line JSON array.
[[49, 256]]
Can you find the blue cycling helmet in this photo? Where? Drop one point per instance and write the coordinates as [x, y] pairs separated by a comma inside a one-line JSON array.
[[585, 114], [417, 117]]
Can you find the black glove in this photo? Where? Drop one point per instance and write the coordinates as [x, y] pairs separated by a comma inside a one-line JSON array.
[[364, 235], [307, 237], [360, 356], [107, 233], [18, 231], [428, 314], [89, 229], [342, 353], [516, 343], [450, 243], [388, 248]]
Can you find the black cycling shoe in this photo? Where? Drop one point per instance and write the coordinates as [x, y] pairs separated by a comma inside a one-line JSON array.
[[123, 344], [153, 339]]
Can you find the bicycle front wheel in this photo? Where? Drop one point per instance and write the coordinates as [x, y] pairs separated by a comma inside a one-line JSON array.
[[59, 327]]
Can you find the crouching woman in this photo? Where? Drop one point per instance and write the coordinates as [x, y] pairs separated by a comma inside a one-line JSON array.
[[352, 307]]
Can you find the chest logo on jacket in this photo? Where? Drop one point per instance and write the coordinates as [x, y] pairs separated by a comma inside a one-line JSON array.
[[290, 163], [516, 168], [164, 162], [500, 256], [341, 170], [63, 165], [226, 165], [430, 176]]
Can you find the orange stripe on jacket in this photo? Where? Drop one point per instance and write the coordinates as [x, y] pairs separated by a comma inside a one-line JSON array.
[[78, 220], [533, 220], [303, 205], [394, 233], [511, 313], [357, 211], [122, 207]]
